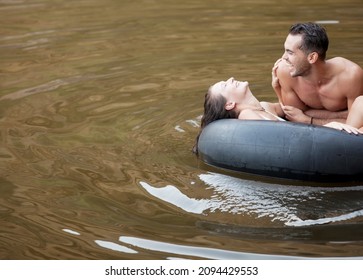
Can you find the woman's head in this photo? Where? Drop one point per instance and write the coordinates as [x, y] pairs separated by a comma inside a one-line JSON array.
[[220, 102], [215, 108]]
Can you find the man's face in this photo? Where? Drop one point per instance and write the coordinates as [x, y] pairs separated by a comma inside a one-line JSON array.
[[295, 57]]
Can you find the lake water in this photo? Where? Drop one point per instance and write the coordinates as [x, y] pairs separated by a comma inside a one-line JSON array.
[[100, 104]]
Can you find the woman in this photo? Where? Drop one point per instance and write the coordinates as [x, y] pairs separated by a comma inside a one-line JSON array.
[[234, 99]]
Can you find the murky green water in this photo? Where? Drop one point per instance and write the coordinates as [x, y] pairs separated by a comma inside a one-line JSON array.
[[99, 107]]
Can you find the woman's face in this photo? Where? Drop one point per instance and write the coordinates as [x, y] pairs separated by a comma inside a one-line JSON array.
[[232, 90]]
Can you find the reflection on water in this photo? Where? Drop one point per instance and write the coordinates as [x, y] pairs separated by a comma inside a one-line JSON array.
[[291, 205], [207, 253], [173, 196], [115, 247], [100, 103]]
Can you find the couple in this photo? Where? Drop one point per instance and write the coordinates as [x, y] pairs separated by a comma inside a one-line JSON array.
[[310, 89]]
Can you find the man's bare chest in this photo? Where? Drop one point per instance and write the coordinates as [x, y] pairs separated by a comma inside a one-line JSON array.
[[327, 96]]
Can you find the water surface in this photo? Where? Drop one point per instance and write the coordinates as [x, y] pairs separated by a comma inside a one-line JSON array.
[[99, 106]]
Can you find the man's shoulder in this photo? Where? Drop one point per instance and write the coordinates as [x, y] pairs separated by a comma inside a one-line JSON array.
[[283, 71], [344, 63], [346, 69], [349, 76]]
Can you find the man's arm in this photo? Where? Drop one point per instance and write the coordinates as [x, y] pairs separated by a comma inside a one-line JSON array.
[[274, 108], [282, 83], [325, 114], [355, 89], [275, 82], [322, 117], [313, 116]]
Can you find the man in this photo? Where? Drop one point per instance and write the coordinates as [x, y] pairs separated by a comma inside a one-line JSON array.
[[311, 89]]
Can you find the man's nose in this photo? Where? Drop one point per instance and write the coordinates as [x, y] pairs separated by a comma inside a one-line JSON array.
[[284, 56], [230, 80]]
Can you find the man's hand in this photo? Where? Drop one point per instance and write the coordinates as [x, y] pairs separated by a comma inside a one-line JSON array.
[[275, 81], [342, 126], [295, 115]]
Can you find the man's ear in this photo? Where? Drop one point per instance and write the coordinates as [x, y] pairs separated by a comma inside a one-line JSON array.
[[313, 57], [230, 105]]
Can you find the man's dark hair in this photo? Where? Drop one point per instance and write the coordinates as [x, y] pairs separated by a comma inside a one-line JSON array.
[[314, 38]]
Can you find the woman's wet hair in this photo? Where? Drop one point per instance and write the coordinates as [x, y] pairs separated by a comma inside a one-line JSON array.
[[214, 109]]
